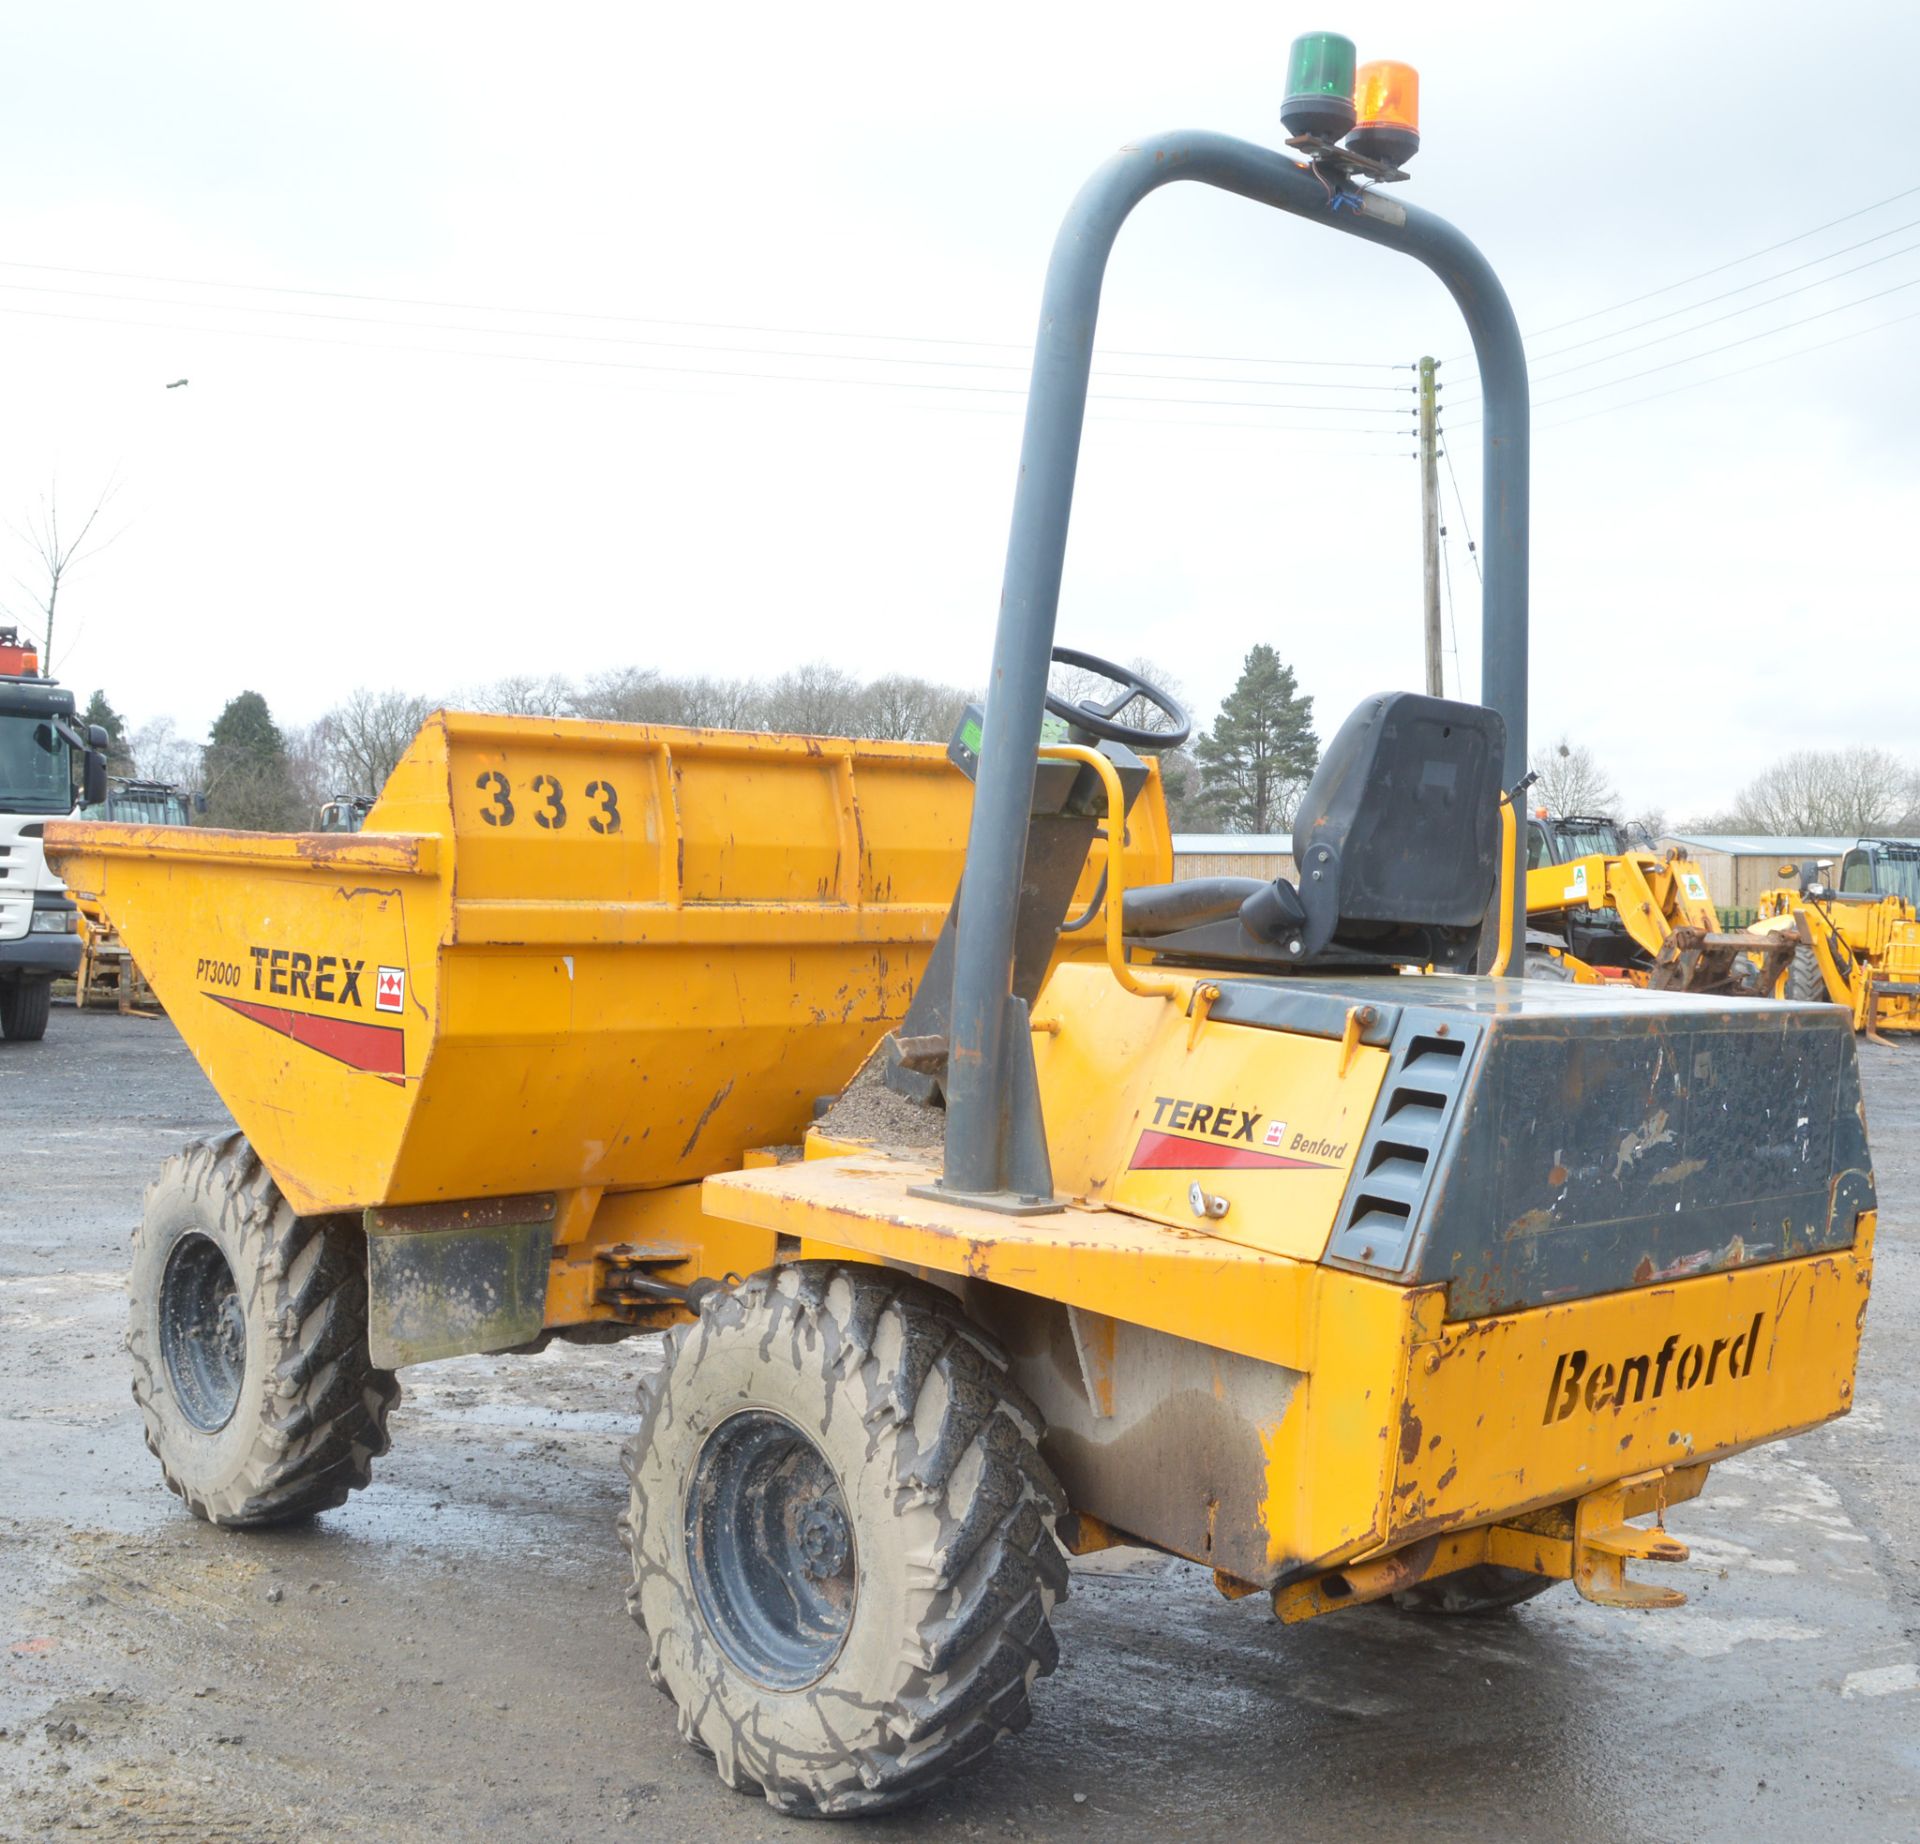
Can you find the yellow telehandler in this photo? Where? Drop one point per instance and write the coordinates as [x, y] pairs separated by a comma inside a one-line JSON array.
[[1222, 1230], [1854, 941], [1598, 910]]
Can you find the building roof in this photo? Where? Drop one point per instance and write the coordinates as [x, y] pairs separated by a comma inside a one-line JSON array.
[[1241, 844], [1762, 845]]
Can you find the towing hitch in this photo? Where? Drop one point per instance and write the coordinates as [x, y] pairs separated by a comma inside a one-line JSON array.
[[1587, 1541]]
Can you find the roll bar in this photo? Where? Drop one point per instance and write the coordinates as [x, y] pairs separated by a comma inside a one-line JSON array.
[[990, 1052]]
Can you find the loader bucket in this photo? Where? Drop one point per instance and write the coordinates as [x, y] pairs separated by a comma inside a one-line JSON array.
[[560, 955]]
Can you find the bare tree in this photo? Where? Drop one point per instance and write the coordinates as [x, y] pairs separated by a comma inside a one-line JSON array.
[[901, 708], [629, 695], [58, 550], [362, 739], [1831, 791], [161, 753], [813, 700], [521, 694], [313, 772], [1571, 780], [721, 704]]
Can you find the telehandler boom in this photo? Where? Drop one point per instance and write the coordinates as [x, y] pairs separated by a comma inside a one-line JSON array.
[[1228, 1230], [1639, 916]]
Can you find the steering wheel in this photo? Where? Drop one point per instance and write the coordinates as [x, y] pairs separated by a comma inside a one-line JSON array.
[[1099, 719]]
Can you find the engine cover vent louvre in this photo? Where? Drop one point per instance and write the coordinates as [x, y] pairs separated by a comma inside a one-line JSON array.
[[1380, 1214]]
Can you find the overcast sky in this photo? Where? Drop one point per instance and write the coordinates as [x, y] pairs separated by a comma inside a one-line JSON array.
[[551, 466]]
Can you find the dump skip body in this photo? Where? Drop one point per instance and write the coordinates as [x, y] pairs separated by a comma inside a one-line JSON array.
[[562, 955]]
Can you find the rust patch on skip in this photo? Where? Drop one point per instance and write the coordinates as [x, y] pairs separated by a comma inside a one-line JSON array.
[[351, 848], [706, 1114], [1410, 1432]]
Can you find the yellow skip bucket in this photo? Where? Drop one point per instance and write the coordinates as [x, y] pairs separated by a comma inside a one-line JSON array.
[[561, 954]]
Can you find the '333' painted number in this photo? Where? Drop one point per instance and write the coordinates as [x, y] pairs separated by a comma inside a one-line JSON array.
[[551, 813]]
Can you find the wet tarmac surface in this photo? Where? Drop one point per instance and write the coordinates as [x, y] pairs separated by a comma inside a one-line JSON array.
[[449, 1658]]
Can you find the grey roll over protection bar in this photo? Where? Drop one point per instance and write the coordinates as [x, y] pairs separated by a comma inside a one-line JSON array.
[[990, 1078]]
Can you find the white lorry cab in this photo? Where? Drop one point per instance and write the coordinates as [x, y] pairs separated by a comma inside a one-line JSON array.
[[47, 765]]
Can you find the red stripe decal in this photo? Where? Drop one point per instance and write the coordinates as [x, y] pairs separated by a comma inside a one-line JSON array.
[[1169, 1152], [379, 1049]]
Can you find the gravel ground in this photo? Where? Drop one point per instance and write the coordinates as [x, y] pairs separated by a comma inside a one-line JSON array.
[[448, 1657]]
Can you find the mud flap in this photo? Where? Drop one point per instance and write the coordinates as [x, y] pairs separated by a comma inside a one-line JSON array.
[[444, 1280]]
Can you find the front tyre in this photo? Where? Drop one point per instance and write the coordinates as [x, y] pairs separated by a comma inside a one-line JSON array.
[[25, 1006], [841, 1535], [248, 1332], [1805, 981]]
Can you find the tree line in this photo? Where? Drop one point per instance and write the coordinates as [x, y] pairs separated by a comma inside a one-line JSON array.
[[1244, 774], [1861, 792]]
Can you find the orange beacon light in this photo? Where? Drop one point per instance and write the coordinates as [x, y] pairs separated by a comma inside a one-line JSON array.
[[1386, 101]]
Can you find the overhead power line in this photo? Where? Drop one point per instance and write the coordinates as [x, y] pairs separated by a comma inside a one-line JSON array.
[[1752, 307], [1566, 371], [1701, 275], [1719, 377], [730, 372], [685, 345], [1731, 345], [1466, 525], [655, 320], [1692, 307], [1777, 358]]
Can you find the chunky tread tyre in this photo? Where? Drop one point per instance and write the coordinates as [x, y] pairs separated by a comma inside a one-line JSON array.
[[1804, 979], [1547, 967], [25, 1006], [1484, 1588], [311, 1414], [951, 1509]]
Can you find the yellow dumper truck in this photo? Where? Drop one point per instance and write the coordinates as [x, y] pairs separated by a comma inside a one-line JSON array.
[[1251, 1225]]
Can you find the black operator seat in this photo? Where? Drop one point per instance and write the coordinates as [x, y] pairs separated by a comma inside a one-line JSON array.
[[1397, 845]]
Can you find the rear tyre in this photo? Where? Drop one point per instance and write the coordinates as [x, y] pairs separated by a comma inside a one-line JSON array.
[[841, 1535], [25, 1006], [1484, 1588], [248, 1333], [1547, 967], [1804, 978]]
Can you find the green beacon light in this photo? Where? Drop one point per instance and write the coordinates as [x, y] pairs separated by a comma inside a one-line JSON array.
[[1319, 86]]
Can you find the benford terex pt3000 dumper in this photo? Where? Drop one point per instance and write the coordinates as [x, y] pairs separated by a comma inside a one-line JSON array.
[[1274, 1238]]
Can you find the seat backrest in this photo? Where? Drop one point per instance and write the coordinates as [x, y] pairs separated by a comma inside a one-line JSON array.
[[1400, 828]]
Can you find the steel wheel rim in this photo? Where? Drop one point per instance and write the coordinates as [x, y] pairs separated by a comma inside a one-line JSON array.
[[203, 1332], [771, 1549]]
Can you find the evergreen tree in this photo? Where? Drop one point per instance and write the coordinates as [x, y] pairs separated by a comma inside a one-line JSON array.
[[1260, 754], [249, 784], [99, 711]]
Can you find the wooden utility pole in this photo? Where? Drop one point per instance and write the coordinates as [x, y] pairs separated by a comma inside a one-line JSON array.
[[1430, 521]]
